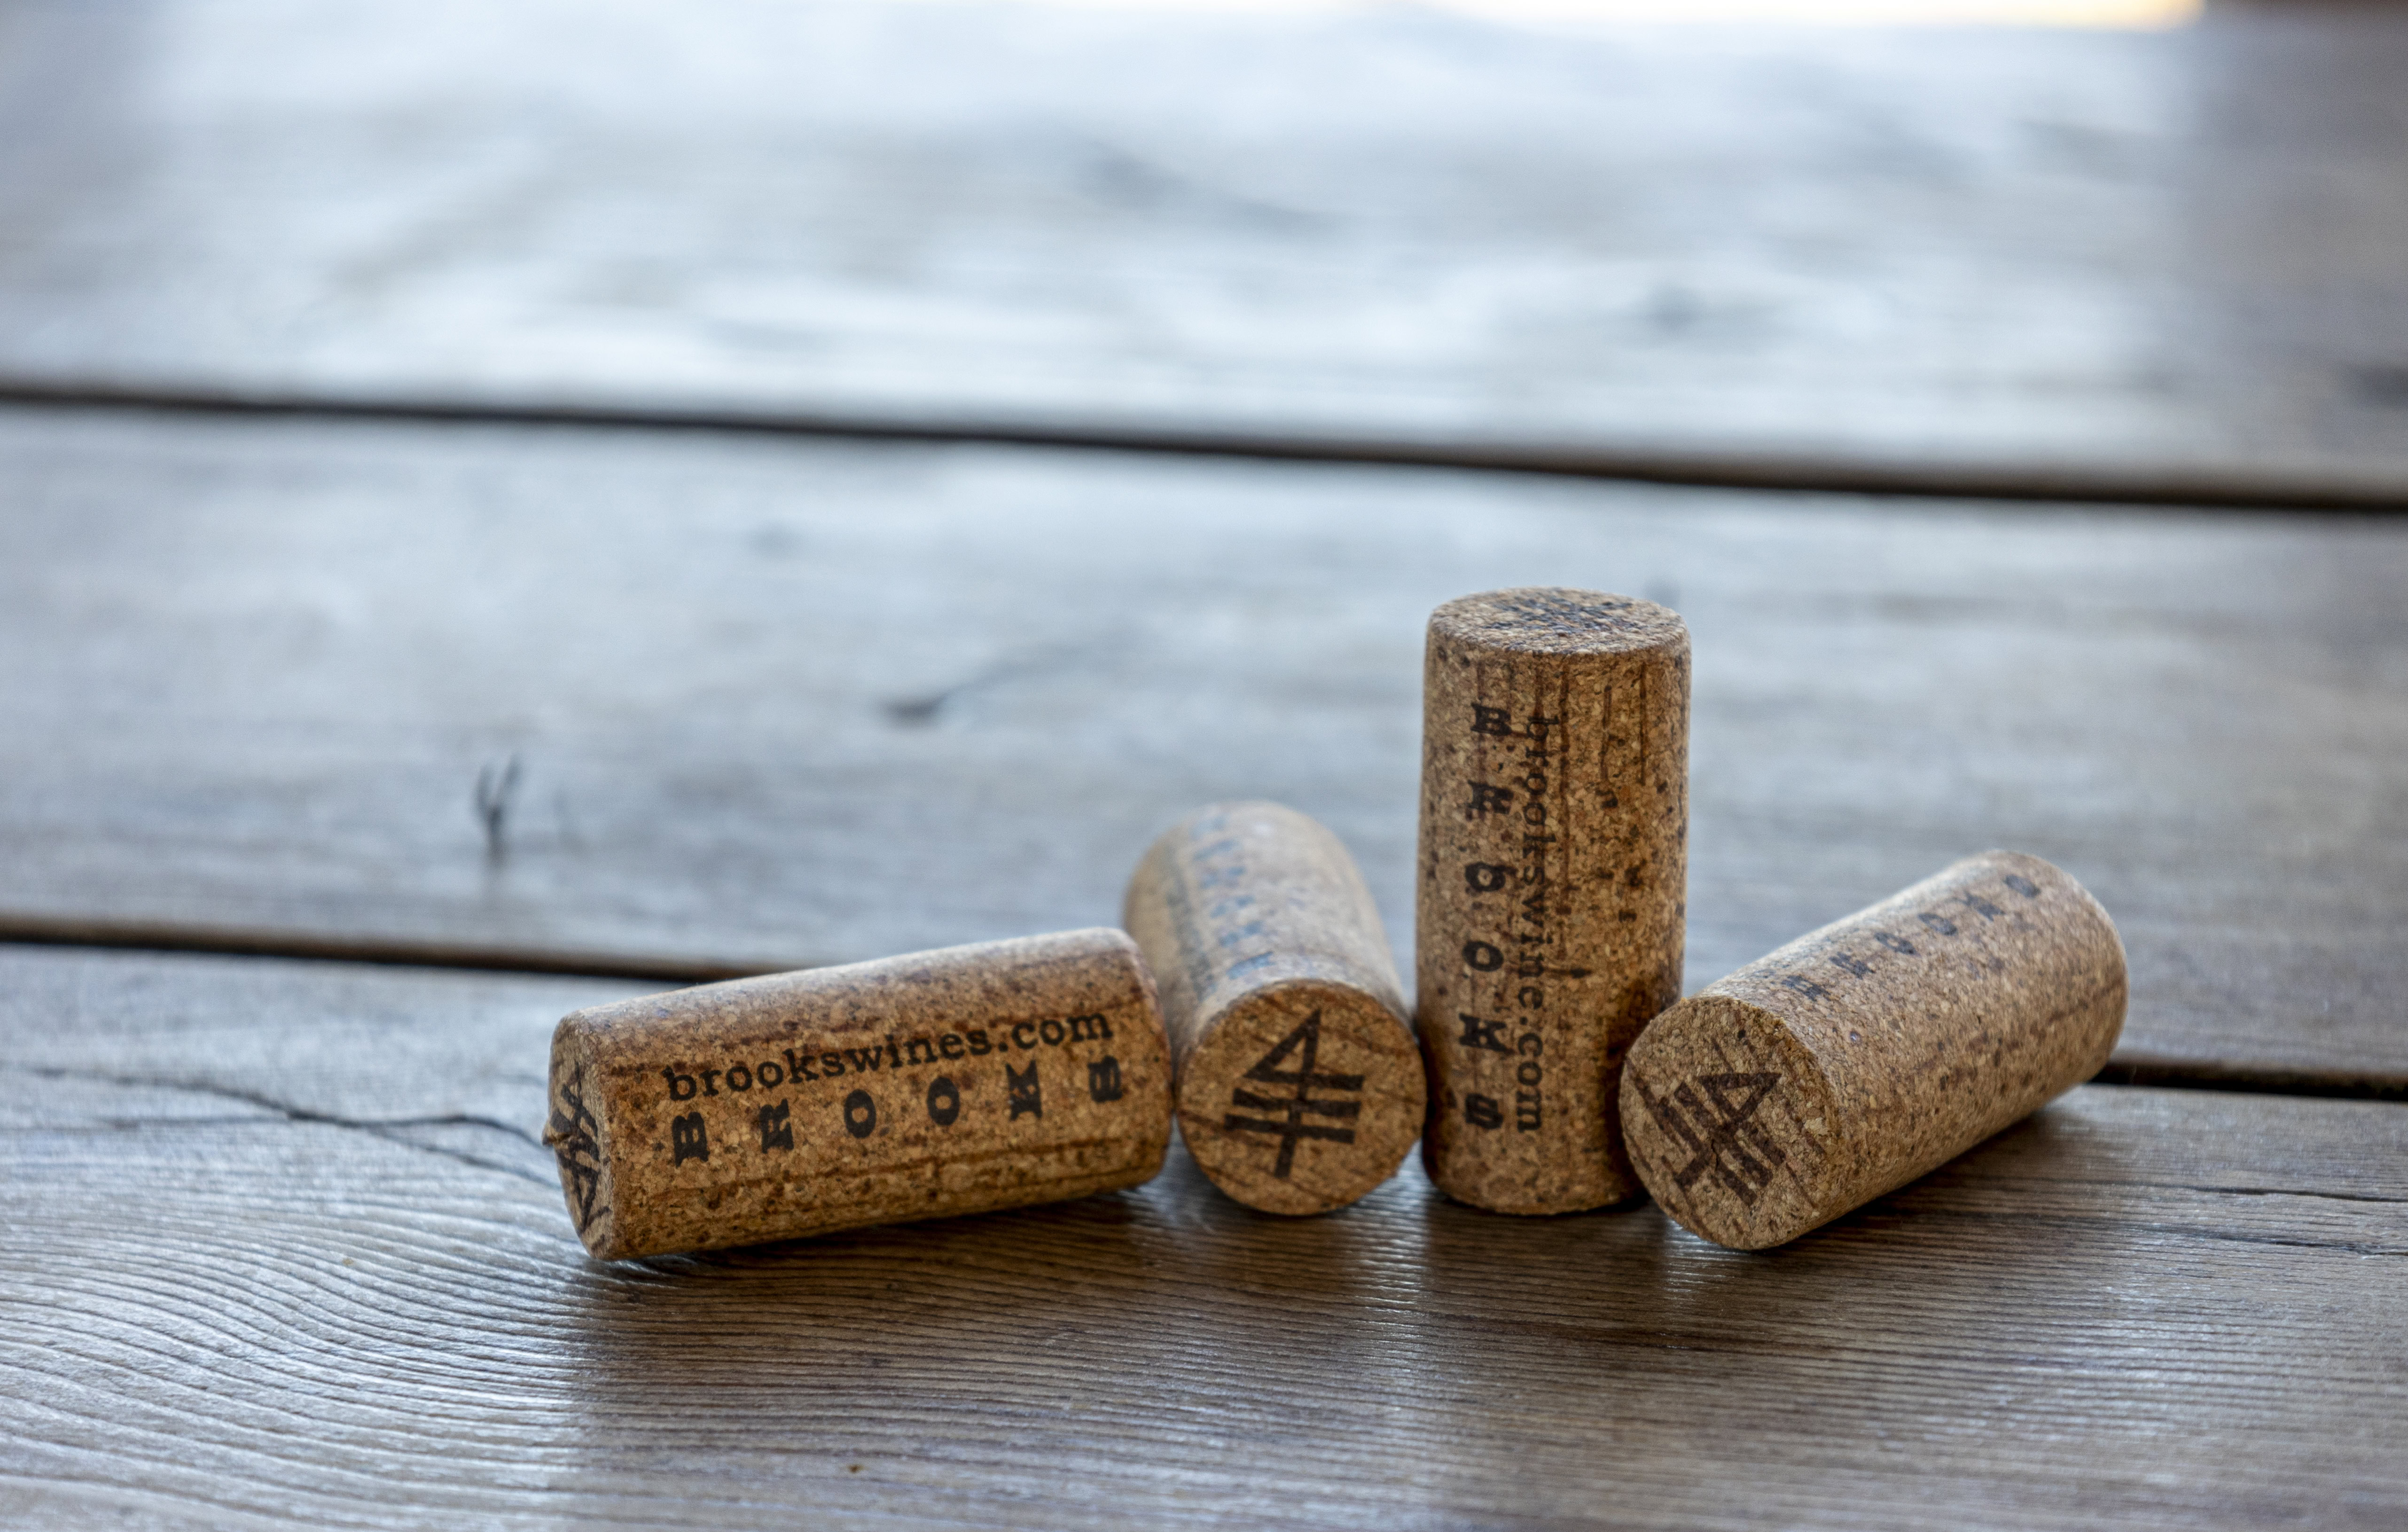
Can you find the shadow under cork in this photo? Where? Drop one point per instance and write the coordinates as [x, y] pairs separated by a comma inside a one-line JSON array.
[[1161, 1280], [1019, 1346], [1110, 1275], [2003, 1250], [2005, 1219], [1128, 1340]]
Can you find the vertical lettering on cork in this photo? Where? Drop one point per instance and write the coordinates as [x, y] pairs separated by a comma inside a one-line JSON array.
[[1481, 1033], [944, 1100], [1721, 1130], [571, 1129], [1026, 1093], [1487, 799], [688, 1139], [1937, 933], [1523, 753], [1528, 1075], [1219, 939], [861, 1114], [1307, 1076]]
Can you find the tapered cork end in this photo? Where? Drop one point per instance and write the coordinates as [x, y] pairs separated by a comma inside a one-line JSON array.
[[1552, 862], [1304, 1097], [1867, 1053]]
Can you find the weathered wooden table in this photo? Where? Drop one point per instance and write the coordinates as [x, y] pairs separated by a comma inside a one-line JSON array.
[[348, 745]]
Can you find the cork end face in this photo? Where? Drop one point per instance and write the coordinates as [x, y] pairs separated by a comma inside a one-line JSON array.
[[573, 1131], [1302, 1098], [1552, 620], [1731, 1125]]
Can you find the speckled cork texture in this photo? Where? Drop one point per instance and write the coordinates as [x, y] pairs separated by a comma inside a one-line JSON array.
[[1857, 1058], [955, 1081], [1299, 1083], [1551, 872]]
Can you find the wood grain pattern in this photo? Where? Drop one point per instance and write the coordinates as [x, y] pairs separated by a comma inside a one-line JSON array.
[[782, 702], [2145, 262], [282, 1252]]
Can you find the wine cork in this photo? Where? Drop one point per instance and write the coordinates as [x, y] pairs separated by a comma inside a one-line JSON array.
[[1857, 1058], [1553, 870], [1299, 1081], [955, 1081]]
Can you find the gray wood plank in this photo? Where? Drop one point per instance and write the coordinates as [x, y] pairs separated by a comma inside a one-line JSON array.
[[282, 1252], [775, 701], [2148, 263]]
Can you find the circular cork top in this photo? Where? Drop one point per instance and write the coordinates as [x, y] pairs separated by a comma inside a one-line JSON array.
[[1302, 1097], [1552, 620], [1733, 1125]]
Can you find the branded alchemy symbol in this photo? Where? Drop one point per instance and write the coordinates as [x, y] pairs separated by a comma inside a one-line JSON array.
[[1290, 1126], [571, 1135], [1026, 1092], [1722, 1137]]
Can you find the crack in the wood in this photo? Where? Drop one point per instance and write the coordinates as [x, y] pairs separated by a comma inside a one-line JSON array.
[[1772, 472], [496, 786], [2211, 1191], [386, 1129], [2235, 1237], [2076, 1222], [2288, 1192], [2344, 1246], [923, 709]]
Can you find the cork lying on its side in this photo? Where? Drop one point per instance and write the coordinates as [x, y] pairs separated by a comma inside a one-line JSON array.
[[1857, 1058], [955, 1081], [1553, 870], [1300, 1085]]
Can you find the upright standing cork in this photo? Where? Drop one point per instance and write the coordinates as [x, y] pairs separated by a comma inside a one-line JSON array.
[[956, 1081], [1300, 1084], [1553, 864], [1857, 1058]]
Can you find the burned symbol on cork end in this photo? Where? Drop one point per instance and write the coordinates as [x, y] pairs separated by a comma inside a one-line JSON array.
[[1306, 1077], [572, 1135], [1714, 1115]]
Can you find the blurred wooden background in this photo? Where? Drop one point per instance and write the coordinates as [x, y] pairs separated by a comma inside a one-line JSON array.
[[855, 472], [2075, 262]]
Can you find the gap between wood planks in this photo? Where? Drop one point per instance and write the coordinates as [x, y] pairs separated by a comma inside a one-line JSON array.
[[1770, 473], [27, 930]]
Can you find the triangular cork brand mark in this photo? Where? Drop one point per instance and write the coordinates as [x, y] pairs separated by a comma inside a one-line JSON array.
[[1714, 1115], [1306, 1078]]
